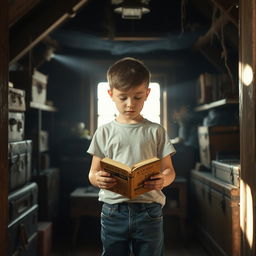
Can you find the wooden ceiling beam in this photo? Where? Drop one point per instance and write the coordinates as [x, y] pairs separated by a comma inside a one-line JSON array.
[[42, 21], [208, 36], [228, 18], [135, 38], [229, 8], [211, 48]]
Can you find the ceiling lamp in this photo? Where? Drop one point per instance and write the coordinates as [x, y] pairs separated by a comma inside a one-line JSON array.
[[131, 9]]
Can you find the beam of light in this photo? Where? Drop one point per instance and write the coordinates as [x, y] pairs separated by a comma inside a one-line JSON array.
[[77, 64], [246, 212], [246, 73]]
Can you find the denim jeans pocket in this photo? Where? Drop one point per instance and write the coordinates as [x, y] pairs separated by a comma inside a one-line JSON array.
[[107, 210], [154, 211]]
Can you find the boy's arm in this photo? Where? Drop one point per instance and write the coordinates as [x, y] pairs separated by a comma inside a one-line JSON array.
[[99, 178], [164, 179]]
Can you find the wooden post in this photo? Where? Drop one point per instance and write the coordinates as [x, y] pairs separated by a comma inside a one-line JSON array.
[[247, 72], [3, 126]]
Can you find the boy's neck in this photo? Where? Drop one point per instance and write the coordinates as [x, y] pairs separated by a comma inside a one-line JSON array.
[[121, 119]]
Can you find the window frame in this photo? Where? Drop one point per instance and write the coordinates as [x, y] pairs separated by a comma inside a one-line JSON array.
[[155, 78]]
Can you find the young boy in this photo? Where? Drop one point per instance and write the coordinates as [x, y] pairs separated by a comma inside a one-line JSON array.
[[131, 226]]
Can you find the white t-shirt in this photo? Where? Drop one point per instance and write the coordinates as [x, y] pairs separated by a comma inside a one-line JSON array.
[[129, 144]]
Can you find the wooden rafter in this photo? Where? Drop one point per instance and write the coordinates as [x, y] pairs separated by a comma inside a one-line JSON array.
[[207, 37], [214, 55], [229, 8], [30, 33]]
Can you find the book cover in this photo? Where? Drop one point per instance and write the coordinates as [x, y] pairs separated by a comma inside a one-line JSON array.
[[130, 179]]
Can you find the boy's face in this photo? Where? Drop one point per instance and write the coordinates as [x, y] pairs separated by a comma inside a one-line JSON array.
[[130, 103]]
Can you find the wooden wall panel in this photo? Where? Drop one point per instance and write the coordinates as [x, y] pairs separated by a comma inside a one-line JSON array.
[[3, 126], [247, 94]]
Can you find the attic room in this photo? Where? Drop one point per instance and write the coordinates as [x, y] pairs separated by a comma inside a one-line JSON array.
[[54, 59]]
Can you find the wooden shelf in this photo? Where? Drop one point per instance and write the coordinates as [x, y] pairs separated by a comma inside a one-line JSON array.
[[43, 107], [216, 104]]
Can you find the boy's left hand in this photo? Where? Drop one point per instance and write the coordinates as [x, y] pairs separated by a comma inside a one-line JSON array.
[[155, 182]]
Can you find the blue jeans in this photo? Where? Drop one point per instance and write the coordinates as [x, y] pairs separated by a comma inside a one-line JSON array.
[[132, 228]]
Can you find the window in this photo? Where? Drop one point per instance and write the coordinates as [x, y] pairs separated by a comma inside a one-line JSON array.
[[107, 110]]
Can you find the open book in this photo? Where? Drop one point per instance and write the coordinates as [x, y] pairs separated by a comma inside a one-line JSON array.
[[130, 180]]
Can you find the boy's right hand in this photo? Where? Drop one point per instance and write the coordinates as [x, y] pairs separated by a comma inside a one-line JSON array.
[[104, 180]]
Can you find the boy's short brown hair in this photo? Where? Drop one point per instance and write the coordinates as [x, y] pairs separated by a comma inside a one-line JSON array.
[[127, 73]]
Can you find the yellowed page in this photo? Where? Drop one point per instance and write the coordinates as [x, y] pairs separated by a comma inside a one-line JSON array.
[[141, 174], [147, 161]]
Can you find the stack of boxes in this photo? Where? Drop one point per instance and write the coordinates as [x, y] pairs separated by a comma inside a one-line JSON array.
[[47, 177], [46, 184], [23, 193]]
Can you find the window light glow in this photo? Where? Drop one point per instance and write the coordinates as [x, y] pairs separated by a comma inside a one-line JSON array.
[[107, 110]]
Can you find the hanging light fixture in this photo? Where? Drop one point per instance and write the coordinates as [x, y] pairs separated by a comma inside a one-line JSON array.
[[131, 9]]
